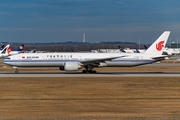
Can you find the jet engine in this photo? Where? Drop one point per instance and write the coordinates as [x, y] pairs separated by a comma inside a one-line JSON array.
[[70, 66]]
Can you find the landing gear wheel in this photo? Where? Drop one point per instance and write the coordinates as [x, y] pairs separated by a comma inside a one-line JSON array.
[[84, 71], [90, 71], [94, 71]]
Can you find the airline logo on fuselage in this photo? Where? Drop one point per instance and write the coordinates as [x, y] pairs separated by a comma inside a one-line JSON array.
[[160, 45]]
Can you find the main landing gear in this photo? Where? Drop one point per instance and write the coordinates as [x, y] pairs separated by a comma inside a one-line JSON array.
[[89, 69]]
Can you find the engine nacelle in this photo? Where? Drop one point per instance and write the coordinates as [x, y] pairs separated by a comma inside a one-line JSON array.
[[70, 66]]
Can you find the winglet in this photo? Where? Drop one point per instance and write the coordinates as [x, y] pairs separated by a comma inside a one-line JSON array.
[[156, 49]]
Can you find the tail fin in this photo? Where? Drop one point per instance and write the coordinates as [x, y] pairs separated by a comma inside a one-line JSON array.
[[145, 47], [8, 50], [20, 48], [5, 49], [2, 47], [137, 51], [121, 49], [157, 47]]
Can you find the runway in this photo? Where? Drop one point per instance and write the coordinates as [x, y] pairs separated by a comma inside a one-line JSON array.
[[140, 71], [99, 74]]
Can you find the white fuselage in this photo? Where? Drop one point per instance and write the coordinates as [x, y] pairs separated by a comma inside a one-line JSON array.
[[59, 59]]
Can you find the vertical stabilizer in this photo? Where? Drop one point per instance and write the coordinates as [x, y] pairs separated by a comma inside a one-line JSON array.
[[4, 49], [156, 49], [145, 47], [121, 49], [20, 48]]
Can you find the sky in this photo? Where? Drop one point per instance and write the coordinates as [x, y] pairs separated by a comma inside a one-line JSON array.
[[42, 21]]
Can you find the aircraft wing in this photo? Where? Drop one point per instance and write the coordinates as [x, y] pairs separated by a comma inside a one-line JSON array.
[[97, 61]]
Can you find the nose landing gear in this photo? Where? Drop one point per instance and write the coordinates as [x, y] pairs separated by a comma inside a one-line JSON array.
[[16, 69]]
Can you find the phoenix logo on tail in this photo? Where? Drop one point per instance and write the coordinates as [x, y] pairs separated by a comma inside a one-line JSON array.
[[160, 45]]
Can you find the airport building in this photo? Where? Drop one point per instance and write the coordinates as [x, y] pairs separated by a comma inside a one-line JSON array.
[[174, 45]]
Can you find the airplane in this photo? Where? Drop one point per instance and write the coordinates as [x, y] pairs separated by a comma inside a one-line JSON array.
[[2, 47], [137, 51], [70, 61], [141, 50], [121, 49], [145, 47], [19, 50], [4, 52], [130, 50], [166, 51]]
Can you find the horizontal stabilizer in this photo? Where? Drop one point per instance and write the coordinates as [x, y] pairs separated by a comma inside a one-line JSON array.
[[160, 58]]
